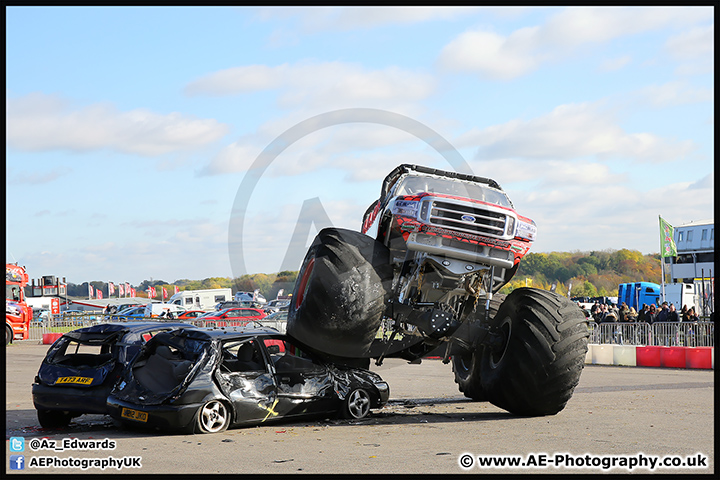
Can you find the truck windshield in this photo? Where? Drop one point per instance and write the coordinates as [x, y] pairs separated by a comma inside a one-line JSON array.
[[415, 185]]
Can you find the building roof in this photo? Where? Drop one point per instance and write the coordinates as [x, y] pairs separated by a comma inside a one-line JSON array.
[[118, 302], [694, 223]]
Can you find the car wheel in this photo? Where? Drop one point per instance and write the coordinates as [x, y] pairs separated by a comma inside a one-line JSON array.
[[213, 417], [53, 418], [8, 335], [357, 404]]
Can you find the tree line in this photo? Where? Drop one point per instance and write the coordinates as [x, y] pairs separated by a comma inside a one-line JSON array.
[[268, 284], [587, 274]]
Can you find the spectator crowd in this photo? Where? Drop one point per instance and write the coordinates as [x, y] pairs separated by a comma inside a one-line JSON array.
[[602, 313]]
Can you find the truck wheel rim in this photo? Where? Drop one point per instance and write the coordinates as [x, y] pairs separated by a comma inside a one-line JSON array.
[[304, 283], [498, 353]]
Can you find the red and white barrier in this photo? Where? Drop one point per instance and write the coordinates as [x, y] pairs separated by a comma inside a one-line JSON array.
[[651, 356]]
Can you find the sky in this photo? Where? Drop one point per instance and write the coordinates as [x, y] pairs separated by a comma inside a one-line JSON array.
[[171, 143]]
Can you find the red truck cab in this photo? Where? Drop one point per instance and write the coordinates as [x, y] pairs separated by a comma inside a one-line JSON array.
[[18, 314]]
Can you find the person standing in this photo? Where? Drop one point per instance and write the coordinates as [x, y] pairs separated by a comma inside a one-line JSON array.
[[672, 315], [663, 313], [651, 315]]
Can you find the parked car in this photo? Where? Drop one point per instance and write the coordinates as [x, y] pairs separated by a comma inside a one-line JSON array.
[[191, 314], [81, 367], [129, 314], [276, 305], [208, 379], [236, 304], [238, 317], [40, 315], [79, 317], [163, 310]]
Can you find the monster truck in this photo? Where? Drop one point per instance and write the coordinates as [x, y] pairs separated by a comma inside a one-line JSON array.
[[423, 276]]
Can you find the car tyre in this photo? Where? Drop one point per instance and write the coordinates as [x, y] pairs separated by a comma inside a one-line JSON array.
[[534, 363], [357, 404], [53, 418], [9, 334], [466, 366], [341, 293], [212, 417]]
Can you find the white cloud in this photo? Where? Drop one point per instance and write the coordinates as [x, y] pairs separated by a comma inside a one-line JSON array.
[[364, 150], [696, 42], [236, 157], [308, 84], [319, 19], [39, 122], [572, 131], [615, 63], [545, 172], [694, 49], [613, 215], [493, 55], [36, 178], [503, 57], [674, 93]]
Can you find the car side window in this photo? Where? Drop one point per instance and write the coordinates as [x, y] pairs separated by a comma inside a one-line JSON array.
[[290, 358], [241, 357]]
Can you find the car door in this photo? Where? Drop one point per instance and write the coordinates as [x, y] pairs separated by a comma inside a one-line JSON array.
[[304, 384], [245, 378]]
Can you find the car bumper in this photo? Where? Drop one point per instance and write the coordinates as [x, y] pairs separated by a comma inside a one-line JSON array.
[[474, 253], [165, 417], [383, 391], [70, 399]]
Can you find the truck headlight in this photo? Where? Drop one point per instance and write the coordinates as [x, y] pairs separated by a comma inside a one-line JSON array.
[[510, 230], [526, 230], [407, 208]]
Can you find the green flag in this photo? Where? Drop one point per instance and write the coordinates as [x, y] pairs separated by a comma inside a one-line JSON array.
[[667, 244]]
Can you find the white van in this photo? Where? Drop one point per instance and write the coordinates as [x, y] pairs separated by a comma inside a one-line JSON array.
[[201, 299], [255, 296], [163, 310]]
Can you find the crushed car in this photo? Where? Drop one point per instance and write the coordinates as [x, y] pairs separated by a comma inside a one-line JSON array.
[[81, 367], [206, 380]]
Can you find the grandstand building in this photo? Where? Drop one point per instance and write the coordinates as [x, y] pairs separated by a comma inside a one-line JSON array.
[[695, 259]]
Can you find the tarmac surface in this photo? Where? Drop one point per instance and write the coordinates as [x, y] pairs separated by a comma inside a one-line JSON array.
[[631, 416]]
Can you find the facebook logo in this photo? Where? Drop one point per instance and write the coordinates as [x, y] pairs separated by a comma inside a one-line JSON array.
[[17, 444], [17, 462]]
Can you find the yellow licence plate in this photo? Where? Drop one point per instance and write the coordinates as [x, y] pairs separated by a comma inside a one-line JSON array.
[[78, 380], [134, 414]]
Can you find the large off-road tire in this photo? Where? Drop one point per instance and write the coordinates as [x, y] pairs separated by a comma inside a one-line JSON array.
[[467, 365], [534, 363], [340, 293]]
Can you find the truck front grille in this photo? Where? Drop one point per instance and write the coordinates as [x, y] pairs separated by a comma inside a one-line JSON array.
[[466, 218]]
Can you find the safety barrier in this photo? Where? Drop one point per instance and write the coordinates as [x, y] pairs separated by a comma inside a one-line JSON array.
[[666, 334], [651, 356]]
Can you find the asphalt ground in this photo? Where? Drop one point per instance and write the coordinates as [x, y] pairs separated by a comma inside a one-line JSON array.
[[626, 415]]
